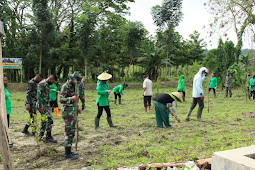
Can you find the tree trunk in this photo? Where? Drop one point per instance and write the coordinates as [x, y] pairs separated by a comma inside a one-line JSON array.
[[176, 71], [166, 63], [66, 71], [133, 69], [85, 67], [170, 72], [40, 63]]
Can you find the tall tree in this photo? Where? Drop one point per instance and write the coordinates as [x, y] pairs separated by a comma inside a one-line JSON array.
[[43, 22], [167, 17], [237, 14]]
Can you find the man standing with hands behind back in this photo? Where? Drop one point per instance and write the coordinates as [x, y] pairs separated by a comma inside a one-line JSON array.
[[228, 84], [198, 94], [147, 93]]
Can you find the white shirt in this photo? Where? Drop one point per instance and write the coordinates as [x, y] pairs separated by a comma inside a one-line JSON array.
[[197, 83], [147, 83]]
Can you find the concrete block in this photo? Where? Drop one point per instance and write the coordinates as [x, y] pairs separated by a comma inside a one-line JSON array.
[[236, 159]]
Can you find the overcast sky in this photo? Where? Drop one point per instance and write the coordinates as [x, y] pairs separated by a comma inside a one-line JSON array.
[[195, 18]]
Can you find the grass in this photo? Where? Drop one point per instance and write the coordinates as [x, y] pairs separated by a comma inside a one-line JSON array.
[[137, 140]]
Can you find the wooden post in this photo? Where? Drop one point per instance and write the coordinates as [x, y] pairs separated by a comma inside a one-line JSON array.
[[4, 143], [21, 75], [167, 53]]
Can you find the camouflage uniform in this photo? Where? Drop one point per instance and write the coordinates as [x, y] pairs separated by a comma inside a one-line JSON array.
[[68, 110], [81, 93], [43, 102], [31, 100], [228, 85], [80, 85]]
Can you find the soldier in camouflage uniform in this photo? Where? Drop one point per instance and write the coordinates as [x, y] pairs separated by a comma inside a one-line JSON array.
[[43, 105], [228, 85], [81, 85], [68, 99], [30, 104]]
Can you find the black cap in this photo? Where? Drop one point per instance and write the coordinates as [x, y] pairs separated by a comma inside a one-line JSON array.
[[144, 76]]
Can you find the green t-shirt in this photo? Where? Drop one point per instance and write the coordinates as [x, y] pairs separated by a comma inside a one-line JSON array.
[[8, 101], [181, 83], [213, 82], [252, 84], [53, 92], [102, 98], [118, 89]]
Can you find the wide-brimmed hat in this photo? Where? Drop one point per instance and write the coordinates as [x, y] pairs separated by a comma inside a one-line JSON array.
[[178, 96], [104, 76]]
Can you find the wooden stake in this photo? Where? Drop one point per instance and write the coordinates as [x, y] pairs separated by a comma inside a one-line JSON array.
[[4, 142]]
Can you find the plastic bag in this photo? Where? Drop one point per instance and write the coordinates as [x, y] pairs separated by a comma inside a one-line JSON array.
[[192, 165]]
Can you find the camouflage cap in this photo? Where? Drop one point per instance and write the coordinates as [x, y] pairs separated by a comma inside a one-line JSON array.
[[72, 78], [76, 74]]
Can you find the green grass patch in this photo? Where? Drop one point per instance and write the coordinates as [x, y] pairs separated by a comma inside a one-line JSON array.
[[137, 140]]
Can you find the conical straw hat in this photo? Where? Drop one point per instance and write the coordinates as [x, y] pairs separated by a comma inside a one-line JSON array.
[[178, 96], [104, 76]]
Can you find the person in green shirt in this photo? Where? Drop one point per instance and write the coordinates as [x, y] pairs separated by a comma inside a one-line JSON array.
[[118, 91], [7, 100], [213, 83], [181, 85], [252, 87], [102, 102], [53, 98]]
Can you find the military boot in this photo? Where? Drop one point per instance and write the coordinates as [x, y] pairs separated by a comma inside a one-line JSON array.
[[49, 138], [199, 114], [109, 120], [25, 130], [69, 155], [97, 123], [188, 115], [41, 139]]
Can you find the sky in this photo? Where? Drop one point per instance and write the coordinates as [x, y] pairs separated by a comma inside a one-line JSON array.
[[195, 18]]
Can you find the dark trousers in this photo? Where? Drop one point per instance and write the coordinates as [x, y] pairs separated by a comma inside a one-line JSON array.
[[100, 111], [147, 101], [214, 91], [253, 94], [198, 101], [228, 90], [8, 120], [53, 104], [116, 95], [183, 92]]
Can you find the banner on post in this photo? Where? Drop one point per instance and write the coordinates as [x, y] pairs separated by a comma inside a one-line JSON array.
[[2, 33], [12, 63]]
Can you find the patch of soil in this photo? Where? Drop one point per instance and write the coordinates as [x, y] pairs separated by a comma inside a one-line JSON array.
[[250, 115]]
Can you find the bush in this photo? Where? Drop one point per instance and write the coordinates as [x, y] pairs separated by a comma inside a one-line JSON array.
[[236, 73]]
